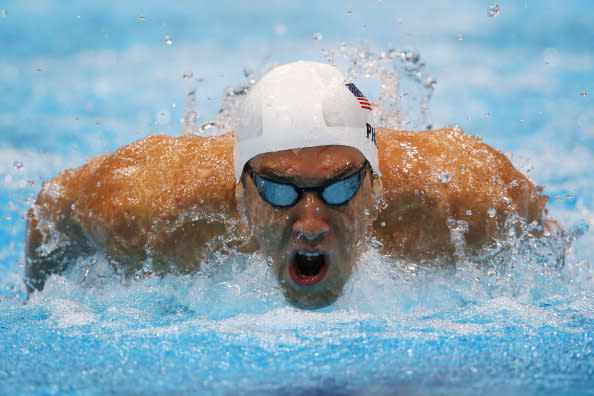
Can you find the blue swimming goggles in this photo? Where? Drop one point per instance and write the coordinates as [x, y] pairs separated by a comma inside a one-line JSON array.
[[283, 195]]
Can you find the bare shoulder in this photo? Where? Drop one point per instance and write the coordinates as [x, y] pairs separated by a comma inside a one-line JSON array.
[[159, 195], [160, 175], [432, 178]]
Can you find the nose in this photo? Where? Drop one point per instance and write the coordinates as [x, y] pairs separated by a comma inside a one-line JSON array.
[[310, 226]]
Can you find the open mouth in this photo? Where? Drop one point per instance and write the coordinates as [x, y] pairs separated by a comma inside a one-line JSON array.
[[308, 268]]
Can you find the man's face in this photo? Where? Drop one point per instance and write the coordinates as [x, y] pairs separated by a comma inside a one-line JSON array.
[[312, 246]]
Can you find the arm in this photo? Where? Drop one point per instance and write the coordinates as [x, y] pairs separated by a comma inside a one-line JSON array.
[[433, 179], [53, 236]]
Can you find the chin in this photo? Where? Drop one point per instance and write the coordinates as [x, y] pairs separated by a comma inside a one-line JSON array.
[[310, 301]]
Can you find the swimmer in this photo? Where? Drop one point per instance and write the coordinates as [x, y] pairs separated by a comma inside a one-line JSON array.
[[304, 178]]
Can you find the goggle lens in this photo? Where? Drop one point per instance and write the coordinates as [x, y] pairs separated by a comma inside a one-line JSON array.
[[275, 193]]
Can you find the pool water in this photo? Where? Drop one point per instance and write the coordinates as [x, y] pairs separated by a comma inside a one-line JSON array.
[[80, 80]]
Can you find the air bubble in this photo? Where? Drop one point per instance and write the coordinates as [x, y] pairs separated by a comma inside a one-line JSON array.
[[493, 11], [349, 11], [318, 36], [460, 37], [583, 93], [141, 17], [469, 212], [187, 75], [168, 40], [3, 13], [491, 212], [18, 165]]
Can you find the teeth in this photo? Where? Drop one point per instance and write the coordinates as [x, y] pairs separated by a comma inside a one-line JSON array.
[[310, 254]]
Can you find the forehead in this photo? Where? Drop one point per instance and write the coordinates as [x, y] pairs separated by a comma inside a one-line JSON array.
[[309, 162]]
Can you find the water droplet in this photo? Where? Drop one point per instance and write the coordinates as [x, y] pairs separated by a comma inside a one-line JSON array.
[[318, 36], [460, 37], [187, 75], [168, 40], [469, 212], [18, 165], [429, 82], [444, 176], [552, 57], [248, 72], [207, 126], [141, 17], [491, 212], [3, 13], [583, 93], [493, 10], [163, 117], [410, 56]]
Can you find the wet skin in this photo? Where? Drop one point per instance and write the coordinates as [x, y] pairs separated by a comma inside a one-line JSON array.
[[175, 201], [311, 246]]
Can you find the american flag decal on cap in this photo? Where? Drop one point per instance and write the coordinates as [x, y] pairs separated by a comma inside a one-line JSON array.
[[363, 102]]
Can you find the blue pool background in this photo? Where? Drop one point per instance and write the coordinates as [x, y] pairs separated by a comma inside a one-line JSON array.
[[82, 78]]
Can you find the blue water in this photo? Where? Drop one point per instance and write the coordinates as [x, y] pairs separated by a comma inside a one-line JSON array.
[[82, 78]]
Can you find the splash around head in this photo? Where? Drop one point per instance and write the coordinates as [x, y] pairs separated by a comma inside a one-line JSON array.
[[305, 158]]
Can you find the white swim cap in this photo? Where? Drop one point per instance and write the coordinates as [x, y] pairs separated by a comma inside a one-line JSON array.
[[303, 104]]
